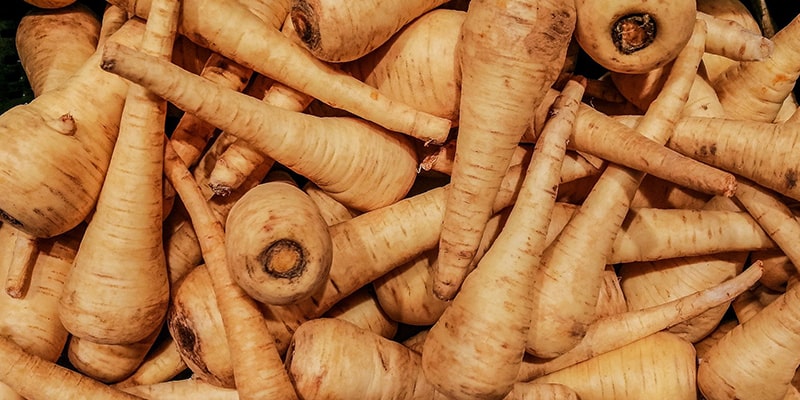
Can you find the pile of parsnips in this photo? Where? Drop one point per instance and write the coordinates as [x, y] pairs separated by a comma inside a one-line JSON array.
[[343, 174]]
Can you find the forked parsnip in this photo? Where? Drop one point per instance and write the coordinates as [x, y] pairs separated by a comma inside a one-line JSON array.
[[362, 164], [510, 53], [476, 346], [117, 291], [632, 36], [319, 25], [279, 248], [73, 128], [574, 262], [614, 331], [267, 51], [53, 44], [257, 365]]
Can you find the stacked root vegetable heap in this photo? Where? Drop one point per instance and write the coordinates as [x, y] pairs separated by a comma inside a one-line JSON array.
[[337, 171]]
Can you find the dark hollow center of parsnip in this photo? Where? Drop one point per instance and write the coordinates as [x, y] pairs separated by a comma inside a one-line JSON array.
[[304, 22], [283, 259], [633, 32]]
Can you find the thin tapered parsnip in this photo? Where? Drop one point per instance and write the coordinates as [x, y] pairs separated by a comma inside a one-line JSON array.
[[732, 10], [117, 291], [574, 262], [256, 362], [36, 378], [614, 331], [161, 364], [773, 215], [506, 69], [741, 89], [267, 51], [53, 44], [189, 388], [596, 134], [279, 248], [18, 271], [319, 25], [659, 366], [373, 168], [732, 40], [758, 358], [474, 349]]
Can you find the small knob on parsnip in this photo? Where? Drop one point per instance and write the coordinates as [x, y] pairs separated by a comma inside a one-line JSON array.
[[279, 248], [634, 36]]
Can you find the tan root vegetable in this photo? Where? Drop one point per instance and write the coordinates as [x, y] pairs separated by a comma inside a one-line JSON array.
[[633, 36], [777, 268], [541, 391], [256, 363], [54, 44], [758, 358], [117, 291], [732, 10], [278, 245], [50, 3], [326, 352], [418, 65], [19, 264], [319, 25], [36, 378], [363, 310], [657, 193], [614, 331], [574, 262], [32, 321], [272, 54], [474, 349], [611, 299], [182, 389], [108, 363], [331, 210], [161, 364], [380, 178], [510, 53], [732, 40], [741, 88], [660, 366], [74, 128]]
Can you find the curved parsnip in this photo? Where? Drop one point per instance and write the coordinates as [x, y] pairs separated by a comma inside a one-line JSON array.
[[633, 36], [278, 245], [118, 290], [732, 10], [53, 44], [319, 24], [369, 168], [510, 53]]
